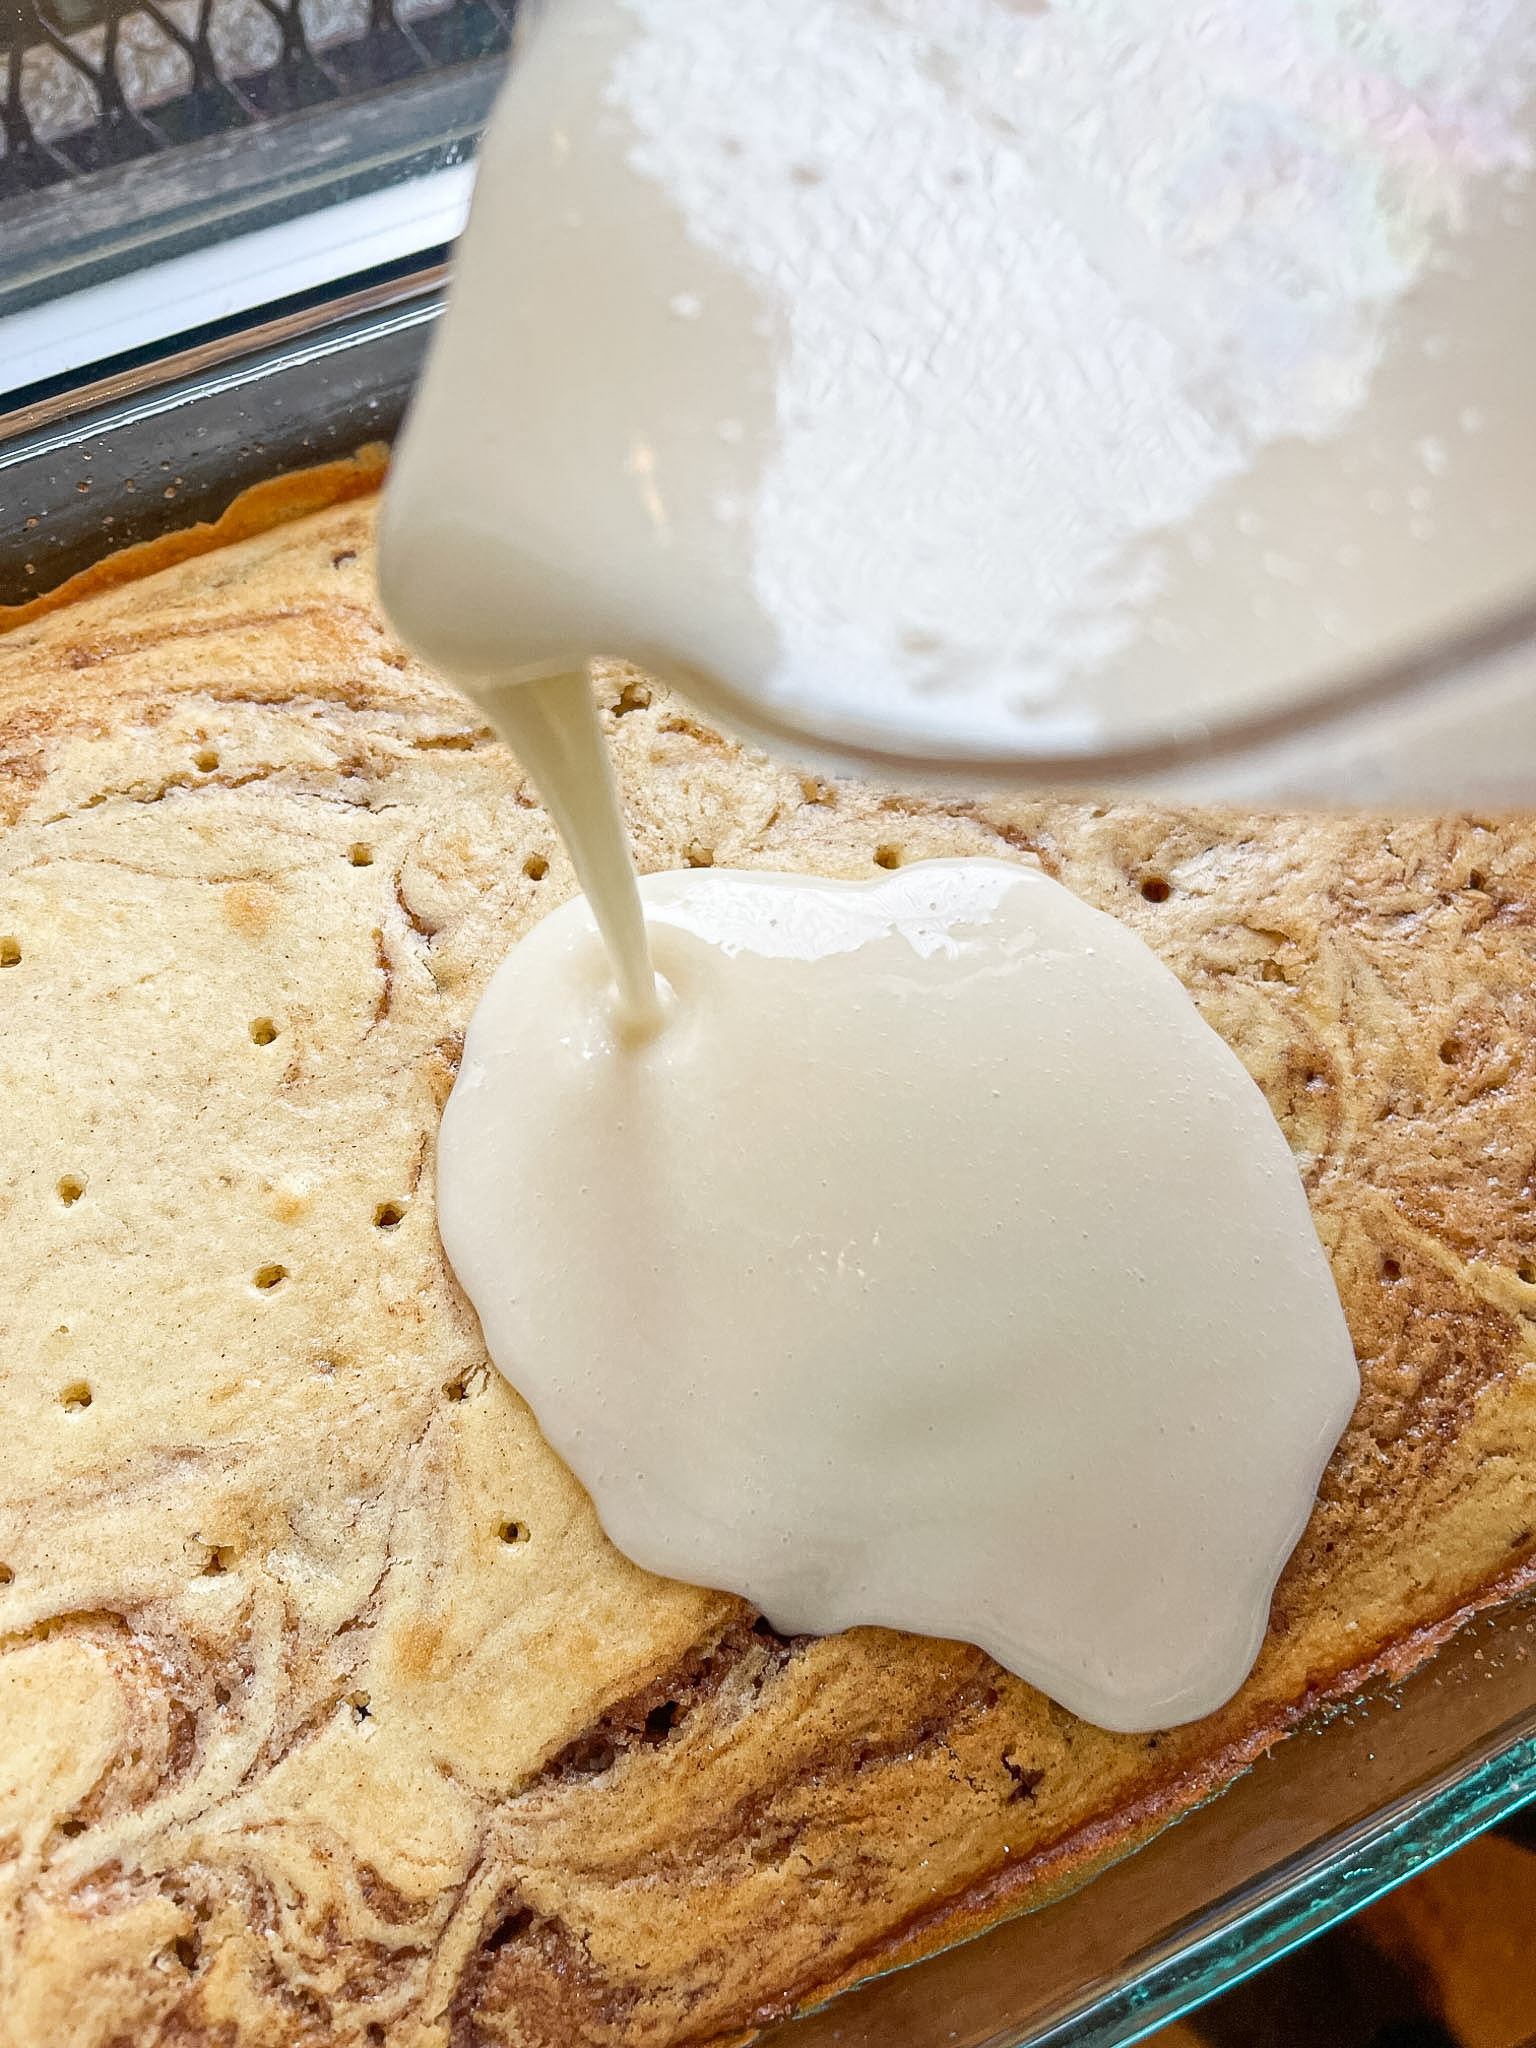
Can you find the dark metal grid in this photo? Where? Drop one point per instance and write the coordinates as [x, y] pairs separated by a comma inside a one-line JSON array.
[[392, 47]]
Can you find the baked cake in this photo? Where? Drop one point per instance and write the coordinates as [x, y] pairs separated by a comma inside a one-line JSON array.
[[329, 1716]]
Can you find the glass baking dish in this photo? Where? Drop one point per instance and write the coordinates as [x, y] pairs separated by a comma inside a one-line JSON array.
[[1346, 1808]]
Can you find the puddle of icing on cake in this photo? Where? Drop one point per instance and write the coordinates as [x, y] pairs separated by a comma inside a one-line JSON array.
[[935, 1265]]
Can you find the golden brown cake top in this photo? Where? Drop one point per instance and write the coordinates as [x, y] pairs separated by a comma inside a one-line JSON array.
[[326, 1712]]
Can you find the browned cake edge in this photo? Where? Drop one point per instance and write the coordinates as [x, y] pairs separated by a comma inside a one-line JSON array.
[[1058, 1868], [257, 509]]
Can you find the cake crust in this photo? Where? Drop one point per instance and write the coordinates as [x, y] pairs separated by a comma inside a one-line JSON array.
[[294, 1748]]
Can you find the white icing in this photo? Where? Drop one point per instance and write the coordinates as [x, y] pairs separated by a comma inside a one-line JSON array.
[[934, 1266]]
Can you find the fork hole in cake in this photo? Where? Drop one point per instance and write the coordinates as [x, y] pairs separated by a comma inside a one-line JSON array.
[[268, 1277], [360, 854], [535, 867], [660, 1721], [220, 1558], [263, 1031], [388, 1215], [75, 1398], [70, 1188], [887, 857], [1155, 889], [7, 1576], [10, 953], [512, 1533], [206, 759]]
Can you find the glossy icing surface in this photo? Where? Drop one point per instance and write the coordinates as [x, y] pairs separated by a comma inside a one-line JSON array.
[[935, 1265]]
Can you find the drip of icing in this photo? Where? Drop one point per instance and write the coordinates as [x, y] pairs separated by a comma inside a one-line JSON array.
[[550, 723], [935, 1266]]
